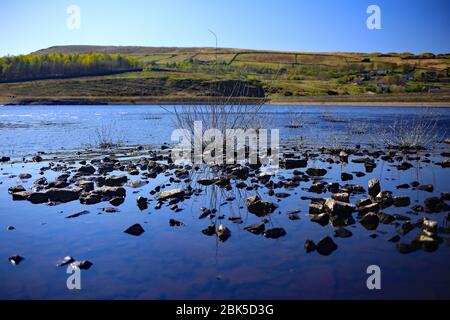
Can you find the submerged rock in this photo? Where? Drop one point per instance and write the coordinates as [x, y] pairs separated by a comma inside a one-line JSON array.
[[256, 228], [342, 233], [135, 230], [210, 230], [326, 246], [322, 219], [310, 246], [78, 214], [435, 205], [401, 201], [274, 233], [370, 221], [15, 260], [176, 223]]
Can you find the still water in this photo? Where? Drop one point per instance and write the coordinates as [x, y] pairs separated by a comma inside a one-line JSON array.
[[180, 262]]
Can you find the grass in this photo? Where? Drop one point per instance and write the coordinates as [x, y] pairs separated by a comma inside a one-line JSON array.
[[286, 76]]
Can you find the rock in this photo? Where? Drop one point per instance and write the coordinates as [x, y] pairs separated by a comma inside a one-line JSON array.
[[294, 163], [346, 176], [445, 163], [426, 187], [175, 223], [205, 182], [210, 230], [322, 219], [36, 158], [87, 170], [65, 261], [18, 188], [310, 246], [115, 181], [338, 208], [343, 156], [404, 166], [342, 233], [135, 230], [370, 221], [78, 214], [223, 233], [257, 228], [403, 186], [20, 196], [252, 200], [258, 207], [406, 248], [445, 196], [386, 218], [5, 159], [363, 202], [90, 199], [395, 238], [10, 228], [24, 176], [274, 233], [401, 201], [37, 197], [175, 193], [430, 225], [86, 185], [374, 187], [373, 207], [15, 260], [293, 216], [282, 195], [63, 195], [434, 205], [142, 203], [82, 265], [326, 246], [116, 201], [109, 210], [316, 172], [385, 199], [406, 228], [315, 208], [109, 192], [136, 184]]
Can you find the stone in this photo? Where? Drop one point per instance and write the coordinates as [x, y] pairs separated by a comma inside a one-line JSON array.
[[65, 261], [342, 233], [86, 169], [78, 214], [142, 203], [374, 187], [116, 201], [210, 230], [176, 223], [426, 187], [115, 181], [373, 207], [342, 196], [63, 195], [82, 265], [205, 182], [15, 189], [20, 196], [315, 208], [385, 199], [316, 172], [223, 233], [401, 201], [434, 205], [322, 219], [294, 163], [175, 193], [38, 197], [24, 176], [346, 176], [135, 230], [256, 228], [15, 260], [326, 246], [274, 233], [109, 192], [310, 246], [370, 221], [339, 208]]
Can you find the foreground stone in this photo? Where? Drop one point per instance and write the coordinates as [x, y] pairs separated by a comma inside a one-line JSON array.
[[326, 246], [135, 230]]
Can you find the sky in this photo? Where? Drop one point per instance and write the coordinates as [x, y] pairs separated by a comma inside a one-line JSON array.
[[294, 25]]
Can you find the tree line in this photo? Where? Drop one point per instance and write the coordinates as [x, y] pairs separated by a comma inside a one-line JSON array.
[[28, 67]]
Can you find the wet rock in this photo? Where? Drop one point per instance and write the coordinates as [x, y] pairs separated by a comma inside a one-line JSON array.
[[405, 248], [10, 228], [346, 176], [115, 181], [136, 184], [293, 216], [326, 246], [373, 207], [135, 230], [363, 202], [417, 208], [15, 260], [310, 246], [274, 233], [426, 187], [395, 238], [86, 170], [109, 210], [403, 186], [370, 221], [282, 195], [142, 203], [37, 197], [435, 205], [385, 199], [86, 185], [404, 166], [445, 163], [406, 228], [429, 225], [24, 176], [18, 188], [204, 212], [339, 208], [333, 187], [176, 223], [205, 182], [401, 201], [223, 233], [210, 230], [90, 199], [82, 265], [63, 195], [386, 218], [116, 201], [316, 172], [175, 193], [256, 228], [317, 187], [5, 159], [322, 219], [36, 158], [342, 233], [58, 184], [78, 214], [258, 207], [65, 261], [20, 196], [315, 208], [374, 187], [294, 163], [109, 192], [343, 156], [445, 196]]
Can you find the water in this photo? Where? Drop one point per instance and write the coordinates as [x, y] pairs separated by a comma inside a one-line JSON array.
[[182, 263]]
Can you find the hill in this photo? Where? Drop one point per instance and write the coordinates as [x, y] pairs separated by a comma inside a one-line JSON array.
[[112, 74]]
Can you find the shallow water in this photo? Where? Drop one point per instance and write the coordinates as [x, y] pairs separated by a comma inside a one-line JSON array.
[[182, 263]]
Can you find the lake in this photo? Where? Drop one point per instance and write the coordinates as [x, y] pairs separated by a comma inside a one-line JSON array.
[[167, 262]]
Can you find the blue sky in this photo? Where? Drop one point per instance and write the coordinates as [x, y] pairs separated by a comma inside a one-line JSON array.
[[313, 25]]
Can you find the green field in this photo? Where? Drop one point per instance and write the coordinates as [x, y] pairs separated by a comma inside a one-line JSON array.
[[195, 73]]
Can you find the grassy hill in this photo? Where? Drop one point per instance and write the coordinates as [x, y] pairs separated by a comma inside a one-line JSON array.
[[158, 74]]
